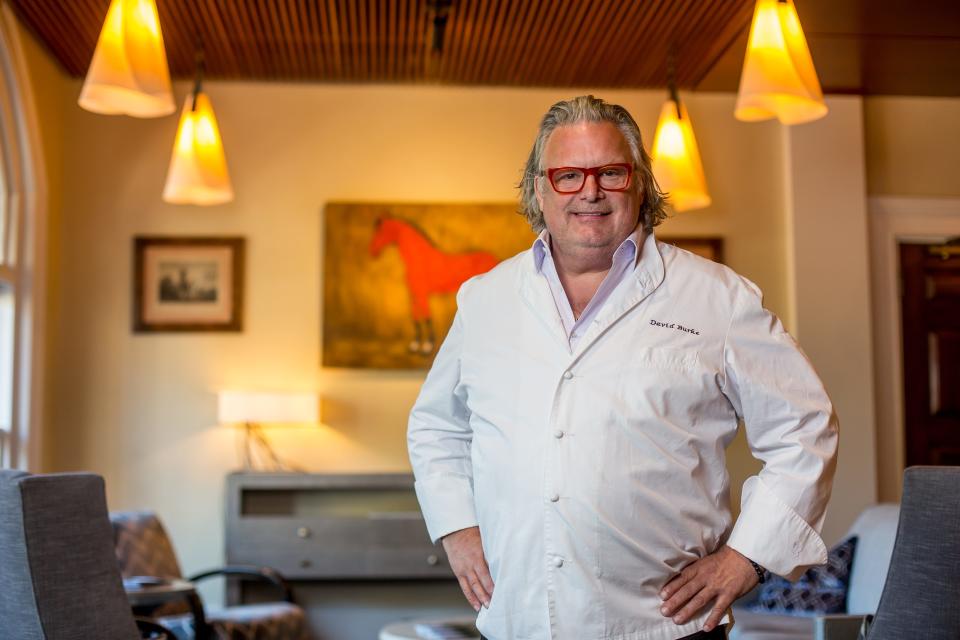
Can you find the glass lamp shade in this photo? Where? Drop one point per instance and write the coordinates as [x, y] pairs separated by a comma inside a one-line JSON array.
[[676, 160], [778, 79], [198, 167], [128, 74]]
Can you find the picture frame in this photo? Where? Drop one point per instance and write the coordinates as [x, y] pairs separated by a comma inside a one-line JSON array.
[[188, 284], [710, 247]]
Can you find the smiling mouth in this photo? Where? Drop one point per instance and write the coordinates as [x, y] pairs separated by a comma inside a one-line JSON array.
[[590, 214]]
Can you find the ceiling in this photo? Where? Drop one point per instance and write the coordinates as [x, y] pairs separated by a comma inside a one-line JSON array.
[[870, 47], [905, 47]]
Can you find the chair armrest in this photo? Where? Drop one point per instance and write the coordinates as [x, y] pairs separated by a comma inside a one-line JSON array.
[[838, 626], [149, 629], [264, 574]]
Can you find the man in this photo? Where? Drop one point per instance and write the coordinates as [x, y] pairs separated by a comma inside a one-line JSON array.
[[568, 443]]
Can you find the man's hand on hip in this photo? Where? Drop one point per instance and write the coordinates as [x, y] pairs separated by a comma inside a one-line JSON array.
[[465, 552], [720, 578]]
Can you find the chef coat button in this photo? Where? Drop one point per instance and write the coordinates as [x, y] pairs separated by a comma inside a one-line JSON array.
[[567, 375], [554, 498], [558, 562], [558, 434]]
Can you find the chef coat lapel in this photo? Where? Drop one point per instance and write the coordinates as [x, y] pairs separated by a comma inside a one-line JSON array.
[[646, 277], [535, 291]]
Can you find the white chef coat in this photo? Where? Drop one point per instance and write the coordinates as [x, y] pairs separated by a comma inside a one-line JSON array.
[[596, 475]]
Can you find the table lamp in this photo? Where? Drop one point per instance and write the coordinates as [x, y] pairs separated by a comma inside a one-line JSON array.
[[252, 410]]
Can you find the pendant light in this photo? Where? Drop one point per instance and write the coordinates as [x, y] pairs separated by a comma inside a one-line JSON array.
[[128, 74], [198, 167], [676, 158], [778, 79]]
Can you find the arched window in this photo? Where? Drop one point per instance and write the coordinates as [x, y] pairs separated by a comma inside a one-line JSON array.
[[22, 256]]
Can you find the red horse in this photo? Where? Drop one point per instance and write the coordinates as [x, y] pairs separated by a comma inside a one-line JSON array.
[[428, 271]]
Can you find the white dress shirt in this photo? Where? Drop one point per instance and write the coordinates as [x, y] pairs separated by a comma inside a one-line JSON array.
[[622, 265], [596, 474]]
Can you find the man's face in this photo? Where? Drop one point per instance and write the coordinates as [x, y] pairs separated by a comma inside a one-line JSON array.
[[592, 218]]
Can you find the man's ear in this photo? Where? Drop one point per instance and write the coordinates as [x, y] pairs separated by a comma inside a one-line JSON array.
[[537, 190]]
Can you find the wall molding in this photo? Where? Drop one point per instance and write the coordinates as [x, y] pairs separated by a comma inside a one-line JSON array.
[[22, 139]]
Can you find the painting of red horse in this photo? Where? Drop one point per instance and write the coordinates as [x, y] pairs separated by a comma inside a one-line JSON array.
[[428, 271], [391, 272]]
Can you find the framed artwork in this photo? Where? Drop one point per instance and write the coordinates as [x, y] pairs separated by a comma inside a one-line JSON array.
[[187, 284], [391, 272], [710, 247]]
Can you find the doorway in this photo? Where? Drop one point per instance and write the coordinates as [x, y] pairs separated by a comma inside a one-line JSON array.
[[930, 306]]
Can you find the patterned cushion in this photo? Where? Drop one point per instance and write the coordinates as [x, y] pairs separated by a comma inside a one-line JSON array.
[[142, 545], [144, 549], [270, 621], [820, 590]]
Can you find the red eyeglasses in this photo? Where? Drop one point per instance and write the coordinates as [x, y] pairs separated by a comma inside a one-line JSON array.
[[609, 177]]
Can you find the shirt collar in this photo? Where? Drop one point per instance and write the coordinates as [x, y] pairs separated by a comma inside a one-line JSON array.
[[629, 249]]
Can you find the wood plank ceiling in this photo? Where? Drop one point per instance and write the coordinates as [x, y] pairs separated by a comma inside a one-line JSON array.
[[870, 47], [597, 43]]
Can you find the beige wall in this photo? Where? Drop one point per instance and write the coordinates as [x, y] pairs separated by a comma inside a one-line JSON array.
[[829, 252], [913, 146], [140, 409]]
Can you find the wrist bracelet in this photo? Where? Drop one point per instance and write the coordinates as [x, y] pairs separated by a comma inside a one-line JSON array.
[[761, 572]]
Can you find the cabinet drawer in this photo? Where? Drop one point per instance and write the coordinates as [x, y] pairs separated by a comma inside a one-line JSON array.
[[388, 546]]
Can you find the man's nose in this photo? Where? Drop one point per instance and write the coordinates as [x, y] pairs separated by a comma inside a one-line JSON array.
[[591, 190]]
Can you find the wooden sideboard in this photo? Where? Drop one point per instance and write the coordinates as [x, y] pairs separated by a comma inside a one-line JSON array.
[[354, 547]]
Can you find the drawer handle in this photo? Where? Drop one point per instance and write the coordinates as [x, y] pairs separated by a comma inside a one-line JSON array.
[[305, 564], [433, 560], [303, 532]]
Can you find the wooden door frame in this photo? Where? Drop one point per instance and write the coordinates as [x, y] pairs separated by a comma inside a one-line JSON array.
[[893, 220]]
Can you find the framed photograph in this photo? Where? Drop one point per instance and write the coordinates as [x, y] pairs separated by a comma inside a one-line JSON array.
[[187, 284], [391, 272]]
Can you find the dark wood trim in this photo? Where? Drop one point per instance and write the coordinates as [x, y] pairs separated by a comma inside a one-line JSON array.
[[714, 242], [930, 306]]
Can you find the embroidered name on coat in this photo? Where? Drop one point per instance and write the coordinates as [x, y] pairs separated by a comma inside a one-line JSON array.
[[675, 326]]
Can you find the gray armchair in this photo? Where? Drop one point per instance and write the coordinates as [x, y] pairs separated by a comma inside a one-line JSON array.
[[58, 574], [921, 596]]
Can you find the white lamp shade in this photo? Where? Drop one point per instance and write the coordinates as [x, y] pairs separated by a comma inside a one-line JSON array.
[[198, 166], [676, 160], [778, 79], [128, 74], [244, 406]]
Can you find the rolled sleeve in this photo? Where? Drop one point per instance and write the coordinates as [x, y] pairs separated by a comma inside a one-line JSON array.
[[792, 428], [439, 440], [447, 504], [773, 535]]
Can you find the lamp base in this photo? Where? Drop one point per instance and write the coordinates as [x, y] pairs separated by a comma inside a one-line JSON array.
[[258, 454]]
